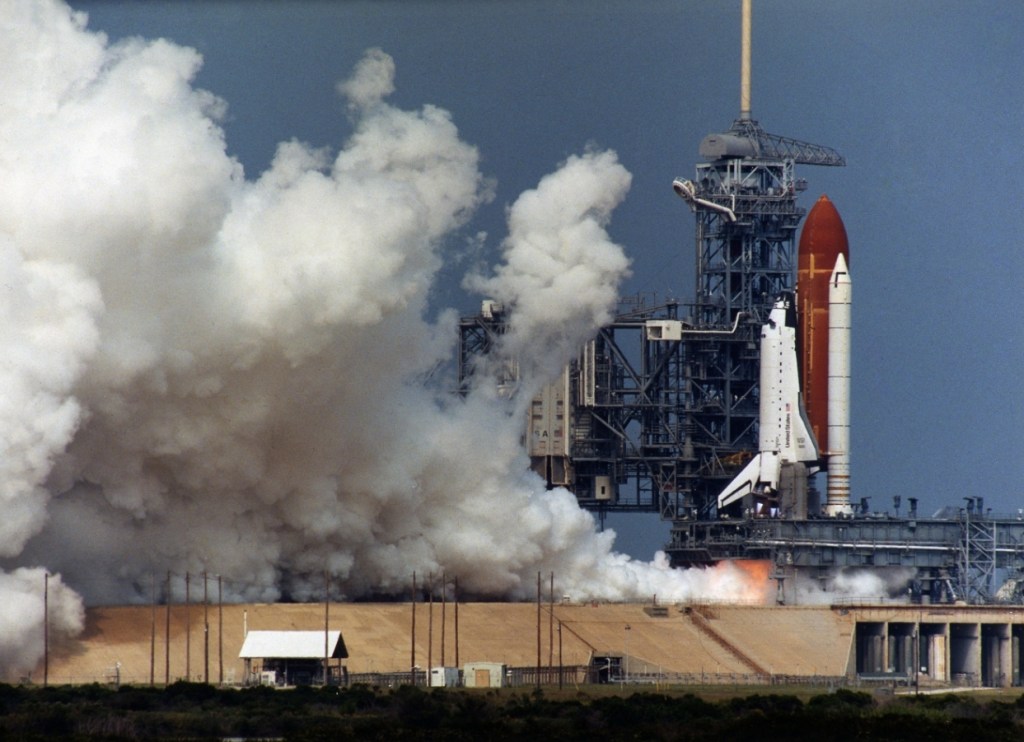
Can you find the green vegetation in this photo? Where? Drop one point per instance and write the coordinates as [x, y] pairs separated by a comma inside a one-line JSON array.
[[196, 711]]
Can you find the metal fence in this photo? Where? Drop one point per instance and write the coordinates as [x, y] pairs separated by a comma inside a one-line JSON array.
[[575, 675], [522, 677]]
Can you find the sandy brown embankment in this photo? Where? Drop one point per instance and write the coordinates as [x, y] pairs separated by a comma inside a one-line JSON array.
[[131, 642]]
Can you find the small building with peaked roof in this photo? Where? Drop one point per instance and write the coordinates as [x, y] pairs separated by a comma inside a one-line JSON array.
[[293, 657]]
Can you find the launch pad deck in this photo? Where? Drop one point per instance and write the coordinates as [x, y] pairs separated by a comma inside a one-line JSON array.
[[960, 558]]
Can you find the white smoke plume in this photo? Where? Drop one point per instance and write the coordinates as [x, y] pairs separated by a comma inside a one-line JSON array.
[[878, 584], [27, 598], [561, 268], [204, 371]]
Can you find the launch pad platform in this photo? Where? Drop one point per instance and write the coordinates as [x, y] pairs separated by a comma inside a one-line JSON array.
[[957, 555]]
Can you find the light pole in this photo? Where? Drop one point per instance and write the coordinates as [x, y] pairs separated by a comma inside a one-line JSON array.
[[561, 667], [625, 655]]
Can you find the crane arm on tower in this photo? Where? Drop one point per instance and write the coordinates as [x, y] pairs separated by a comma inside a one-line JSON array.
[[772, 146]]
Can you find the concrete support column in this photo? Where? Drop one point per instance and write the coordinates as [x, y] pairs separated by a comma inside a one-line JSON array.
[[947, 640], [1005, 656], [938, 655], [1014, 657], [886, 666], [980, 650]]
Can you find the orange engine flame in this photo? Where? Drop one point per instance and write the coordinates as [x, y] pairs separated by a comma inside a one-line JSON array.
[[754, 584]]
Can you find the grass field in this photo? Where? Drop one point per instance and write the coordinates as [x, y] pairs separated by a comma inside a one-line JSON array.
[[198, 711]]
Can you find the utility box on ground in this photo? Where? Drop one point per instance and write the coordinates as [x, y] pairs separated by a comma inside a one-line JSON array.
[[444, 677], [484, 674]]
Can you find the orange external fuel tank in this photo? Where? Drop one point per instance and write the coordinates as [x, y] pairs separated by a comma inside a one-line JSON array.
[[822, 240]]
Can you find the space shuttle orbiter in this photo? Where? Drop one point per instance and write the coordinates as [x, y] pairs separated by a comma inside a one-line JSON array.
[[788, 451]]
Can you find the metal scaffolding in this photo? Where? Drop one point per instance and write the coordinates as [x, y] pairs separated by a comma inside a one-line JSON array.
[[977, 552]]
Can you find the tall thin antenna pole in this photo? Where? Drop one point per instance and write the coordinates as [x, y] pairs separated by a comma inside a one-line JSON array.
[[188, 631], [46, 629], [444, 613], [412, 641], [152, 639], [745, 62], [167, 634], [561, 667], [206, 630], [551, 622], [430, 631], [220, 629], [538, 628], [327, 621], [455, 597]]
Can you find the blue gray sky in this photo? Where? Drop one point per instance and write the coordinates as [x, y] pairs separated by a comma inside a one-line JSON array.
[[923, 98]]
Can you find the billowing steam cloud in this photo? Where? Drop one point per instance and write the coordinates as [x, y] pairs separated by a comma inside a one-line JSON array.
[[876, 584], [561, 269], [205, 371], [24, 608]]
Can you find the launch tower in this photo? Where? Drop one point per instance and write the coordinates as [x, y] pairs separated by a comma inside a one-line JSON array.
[[660, 409], [744, 198]]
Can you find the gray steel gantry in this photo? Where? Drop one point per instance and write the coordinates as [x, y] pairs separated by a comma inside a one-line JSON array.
[[661, 406], [744, 198]]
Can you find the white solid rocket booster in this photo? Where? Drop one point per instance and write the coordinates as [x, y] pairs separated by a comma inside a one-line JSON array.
[[840, 292]]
